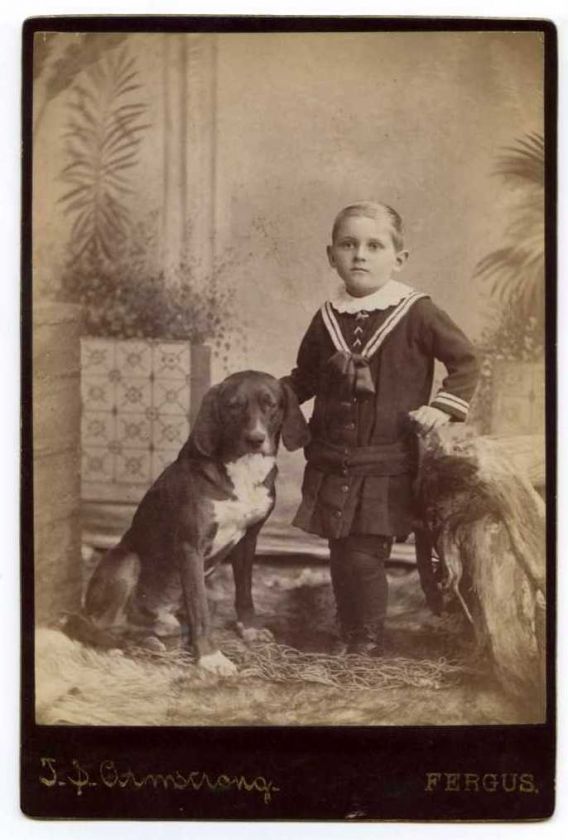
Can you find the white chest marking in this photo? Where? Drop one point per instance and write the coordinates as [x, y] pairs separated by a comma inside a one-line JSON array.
[[252, 502]]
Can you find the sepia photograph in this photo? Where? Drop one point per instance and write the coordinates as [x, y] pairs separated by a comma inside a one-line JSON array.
[[288, 294]]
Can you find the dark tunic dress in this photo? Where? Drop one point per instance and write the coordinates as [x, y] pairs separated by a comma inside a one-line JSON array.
[[363, 456]]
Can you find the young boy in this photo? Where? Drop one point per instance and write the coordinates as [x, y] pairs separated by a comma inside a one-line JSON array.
[[368, 358]]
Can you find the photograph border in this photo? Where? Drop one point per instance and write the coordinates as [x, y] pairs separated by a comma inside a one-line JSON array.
[[282, 772]]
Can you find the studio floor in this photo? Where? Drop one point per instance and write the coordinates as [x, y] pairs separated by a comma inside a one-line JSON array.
[[431, 673]]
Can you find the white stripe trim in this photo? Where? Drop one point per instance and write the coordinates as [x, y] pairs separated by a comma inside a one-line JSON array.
[[450, 406], [333, 328], [441, 398], [380, 334], [394, 318], [443, 395]]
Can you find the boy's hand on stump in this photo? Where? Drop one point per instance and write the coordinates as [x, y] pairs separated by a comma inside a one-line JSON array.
[[426, 418]]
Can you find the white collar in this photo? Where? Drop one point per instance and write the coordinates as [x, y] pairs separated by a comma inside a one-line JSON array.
[[388, 295]]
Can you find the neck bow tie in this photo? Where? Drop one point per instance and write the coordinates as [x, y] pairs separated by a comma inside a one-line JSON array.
[[353, 369]]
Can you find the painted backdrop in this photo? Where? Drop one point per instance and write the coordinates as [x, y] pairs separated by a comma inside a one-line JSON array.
[[254, 141]]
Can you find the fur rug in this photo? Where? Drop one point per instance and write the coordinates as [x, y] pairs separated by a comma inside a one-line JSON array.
[[428, 676]]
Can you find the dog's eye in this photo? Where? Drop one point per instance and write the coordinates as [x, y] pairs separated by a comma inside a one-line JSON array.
[[235, 404], [267, 402]]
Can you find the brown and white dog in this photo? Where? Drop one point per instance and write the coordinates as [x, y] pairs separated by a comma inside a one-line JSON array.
[[208, 505]]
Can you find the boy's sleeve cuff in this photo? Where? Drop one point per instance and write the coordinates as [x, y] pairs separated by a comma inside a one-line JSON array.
[[451, 404]]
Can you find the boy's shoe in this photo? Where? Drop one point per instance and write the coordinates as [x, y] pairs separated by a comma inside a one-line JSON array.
[[342, 636], [369, 641], [338, 647], [365, 647], [362, 641]]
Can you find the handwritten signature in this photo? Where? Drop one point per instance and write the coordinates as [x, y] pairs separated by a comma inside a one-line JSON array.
[[81, 777]]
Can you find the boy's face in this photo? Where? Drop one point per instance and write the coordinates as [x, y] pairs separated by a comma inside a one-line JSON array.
[[364, 255]]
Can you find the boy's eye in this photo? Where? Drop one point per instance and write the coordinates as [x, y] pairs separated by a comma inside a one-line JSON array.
[[375, 246]]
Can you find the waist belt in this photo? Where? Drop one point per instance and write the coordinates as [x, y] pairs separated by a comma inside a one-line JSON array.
[[379, 460]]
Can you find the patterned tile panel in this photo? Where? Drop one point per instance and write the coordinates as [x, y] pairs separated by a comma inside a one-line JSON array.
[[170, 432], [133, 466], [97, 427], [133, 395], [97, 465], [133, 429], [135, 414], [97, 355], [98, 393], [133, 358], [172, 396], [171, 360]]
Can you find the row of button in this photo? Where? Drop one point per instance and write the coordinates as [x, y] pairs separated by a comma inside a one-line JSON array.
[[345, 463], [344, 487]]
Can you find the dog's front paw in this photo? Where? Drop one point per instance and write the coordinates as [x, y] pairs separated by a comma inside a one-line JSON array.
[[254, 634], [153, 643], [217, 663]]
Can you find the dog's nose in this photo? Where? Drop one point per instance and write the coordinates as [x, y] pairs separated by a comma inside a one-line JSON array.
[[256, 437]]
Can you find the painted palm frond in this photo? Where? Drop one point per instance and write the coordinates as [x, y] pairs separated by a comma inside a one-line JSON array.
[[59, 58], [43, 48], [516, 270], [80, 50], [524, 160], [102, 139]]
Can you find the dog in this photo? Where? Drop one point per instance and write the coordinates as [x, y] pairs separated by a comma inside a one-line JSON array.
[[209, 505]]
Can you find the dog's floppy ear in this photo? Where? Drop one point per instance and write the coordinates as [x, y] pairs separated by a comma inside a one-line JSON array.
[[206, 432], [295, 431]]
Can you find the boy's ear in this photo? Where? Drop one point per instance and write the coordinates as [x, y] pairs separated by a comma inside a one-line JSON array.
[[329, 251], [401, 258]]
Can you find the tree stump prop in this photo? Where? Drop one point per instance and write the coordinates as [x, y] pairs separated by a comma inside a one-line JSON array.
[[485, 522]]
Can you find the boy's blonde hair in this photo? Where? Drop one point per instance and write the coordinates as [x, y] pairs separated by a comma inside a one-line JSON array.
[[373, 210]]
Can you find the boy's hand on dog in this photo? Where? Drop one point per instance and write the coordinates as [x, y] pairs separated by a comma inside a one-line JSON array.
[[427, 418]]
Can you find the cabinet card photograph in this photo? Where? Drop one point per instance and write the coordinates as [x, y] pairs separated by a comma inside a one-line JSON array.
[[288, 418]]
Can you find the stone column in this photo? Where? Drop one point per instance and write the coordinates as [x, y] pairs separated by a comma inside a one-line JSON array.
[[189, 84], [56, 444], [188, 219]]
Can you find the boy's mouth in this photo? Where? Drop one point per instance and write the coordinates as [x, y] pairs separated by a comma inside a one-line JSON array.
[[360, 268]]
